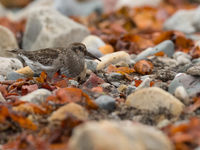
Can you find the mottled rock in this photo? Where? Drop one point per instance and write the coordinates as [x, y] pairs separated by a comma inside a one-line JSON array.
[[106, 102], [153, 99], [166, 46], [72, 108], [7, 42], [105, 135], [48, 28], [37, 96], [8, 65], [194, 70]]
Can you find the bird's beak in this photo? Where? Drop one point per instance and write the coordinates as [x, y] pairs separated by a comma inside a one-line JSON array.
[[92, 56]]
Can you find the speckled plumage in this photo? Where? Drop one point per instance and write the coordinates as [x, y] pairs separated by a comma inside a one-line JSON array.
[[69, 61]]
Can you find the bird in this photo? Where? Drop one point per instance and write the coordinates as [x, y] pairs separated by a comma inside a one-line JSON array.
[[69, 60]]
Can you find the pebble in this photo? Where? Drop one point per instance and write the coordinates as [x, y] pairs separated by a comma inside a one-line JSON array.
[[182, 58], [2, 99], [93, 43], [122, 88], [116, 84], [145, 83], [190, 83], [168, 61], [165, 75], [113, 77], [8, 65], [75, 8], [72, 108], [166, 46], [113, 58], [73, 83], [182, 21], [106, 102], [182, 95], [130, 89], [118, 135], [48, 28], [91, 65], [7, 42], [2, 78], [196, 21], [37, 97], [14, 76], [194, 70], [153, 99]]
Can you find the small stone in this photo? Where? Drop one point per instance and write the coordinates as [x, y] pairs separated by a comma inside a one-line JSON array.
[[168, 61], [72, 108], [166, 46], [48, 28], [113, 58], [2, 99], [73, 83], [91, 65], [37, 97], [7, 42], [153, 99], [121, 135], [116, 84], [163, 123], [181, 94], [75, 8], [165, 75], [106, 102], [182, 21], [106, 49], [130, 89], [122, 88], [8, 65], [93, 43], [113, 77], [14, 76], [145, 84], [194, 70], [182, 58], [2, 78]]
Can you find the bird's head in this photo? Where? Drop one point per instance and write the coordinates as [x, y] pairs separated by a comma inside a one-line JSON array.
[[80, 49]]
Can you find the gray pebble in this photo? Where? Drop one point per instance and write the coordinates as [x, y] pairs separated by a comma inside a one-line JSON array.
[[14, 76], [73, 83], [112, 77], [106, 102]]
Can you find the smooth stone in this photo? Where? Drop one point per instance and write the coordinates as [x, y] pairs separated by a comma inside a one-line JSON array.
[[2, 99], [182, 21], [137, 3], [91, 64], [168, 61], [190, 83], [196, 21], [130, 89], [8, 65], [106, 102], [14, 76], [145, 83], [48, 28], [75, 8], [93, 43], [182, 95], [153, 99], [113, 77], [113, 58], [194, 70], [118, 135], [166, 46], [37, 97], [7, 42], [72, 108], [182, 58]]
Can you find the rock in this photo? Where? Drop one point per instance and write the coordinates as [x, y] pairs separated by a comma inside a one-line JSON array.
[[91, 65], [122, 88], [106, 49], [182, 58], [93, 43], [112, 77], [145, 84], [14, 76], [2, 78], [181, 94], [182, 21], [130, 89], [113, 58], [196, 22], [168, 61], [2, 99], [153, 99], [7, 42], [37, 96], [135, 3], [124, 135], [26, 71], [165, 75], [166, 46], [194, 70], [75, 8], [73, 83], [48, 28], [190, 83], [8, 65], [106, 102], [72, 108]]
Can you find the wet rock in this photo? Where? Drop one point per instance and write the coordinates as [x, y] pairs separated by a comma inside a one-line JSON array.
[[75, 8], [190, 83], [125, 135], [182, 58], [48, 28], [153, 99], [166, 46], [37, 96], [113, 59], [194, 70], [112, 77], [106, 102], [135, 3], [72, 108], [14, 76], [182, 95], [182, 21], [91, 65], [93, 43], [8, 65], [7, 42]]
